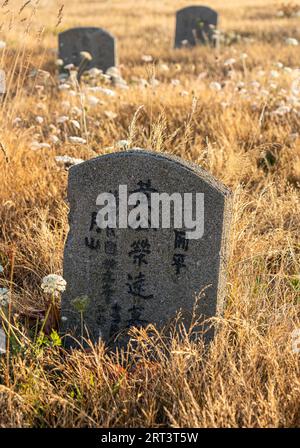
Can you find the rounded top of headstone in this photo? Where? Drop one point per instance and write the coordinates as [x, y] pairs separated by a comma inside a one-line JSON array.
[[87, 29], [155, 156], [206, 9]]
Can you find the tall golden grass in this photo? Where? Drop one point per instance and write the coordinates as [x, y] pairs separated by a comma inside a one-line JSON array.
[[249, 376]]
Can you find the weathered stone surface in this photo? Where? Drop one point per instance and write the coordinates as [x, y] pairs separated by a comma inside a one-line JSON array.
[[141, 276], [96, 41], [194, 25]]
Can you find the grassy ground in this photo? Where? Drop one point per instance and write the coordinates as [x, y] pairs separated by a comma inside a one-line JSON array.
[[239, 119]]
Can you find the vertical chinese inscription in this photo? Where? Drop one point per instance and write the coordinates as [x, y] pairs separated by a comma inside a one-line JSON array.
[[135, 276]]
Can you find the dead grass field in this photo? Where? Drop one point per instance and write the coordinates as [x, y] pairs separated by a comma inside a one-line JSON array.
[[240, 120]]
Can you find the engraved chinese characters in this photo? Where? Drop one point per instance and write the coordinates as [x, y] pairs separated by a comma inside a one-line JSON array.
[[137, 274]]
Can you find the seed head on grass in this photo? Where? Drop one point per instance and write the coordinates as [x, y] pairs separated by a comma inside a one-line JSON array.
[[81, 303], [86, 55]]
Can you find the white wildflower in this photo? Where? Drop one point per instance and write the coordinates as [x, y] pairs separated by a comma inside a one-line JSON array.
[[62, 119], [111, 115], [255, 85], [294, 136], [143, 83], [274, 74], [278, 64], [224, 104], [75, 123], [53, 284], [67, 161], [94, 72], [2, 44], [215, 86], [73, 93], [76, 111], [164, 67], [291, 41], [64, 86], [264, 93], [273, 85], [175, 82], [39, 119], [112, 71], [54, 139], [37, 145], [122, 144], [295, 87], [92, 100], [184, 93], [154, 82], [64, 318], [66, 104], [261, 73], [108, 92], [86, 55], [104, 90], [77, 140], [59, 62], [69, 67], [17, 121], [281, 110], [120, 82], [229, 62], [240, 85]]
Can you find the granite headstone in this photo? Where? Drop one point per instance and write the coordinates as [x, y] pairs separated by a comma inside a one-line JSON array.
[[141, 275], [97, 42], [195, 25]]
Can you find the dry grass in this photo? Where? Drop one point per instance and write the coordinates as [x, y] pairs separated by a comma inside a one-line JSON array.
[[249, 376]]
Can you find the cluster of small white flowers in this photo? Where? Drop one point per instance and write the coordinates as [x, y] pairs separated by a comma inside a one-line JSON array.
[[229, 62], [214, 85], [39, 145], [67, 161], [77, 140], [53, 284], [291, 41], [122, 144], [147, 58]]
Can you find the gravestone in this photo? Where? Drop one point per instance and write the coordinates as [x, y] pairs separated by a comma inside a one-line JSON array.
[[142, 275], [195, 25], [97, 42], [2, 82]]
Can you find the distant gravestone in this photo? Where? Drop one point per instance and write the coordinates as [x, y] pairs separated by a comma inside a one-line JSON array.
[[123, 277], [97, 42], [195, 25]]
